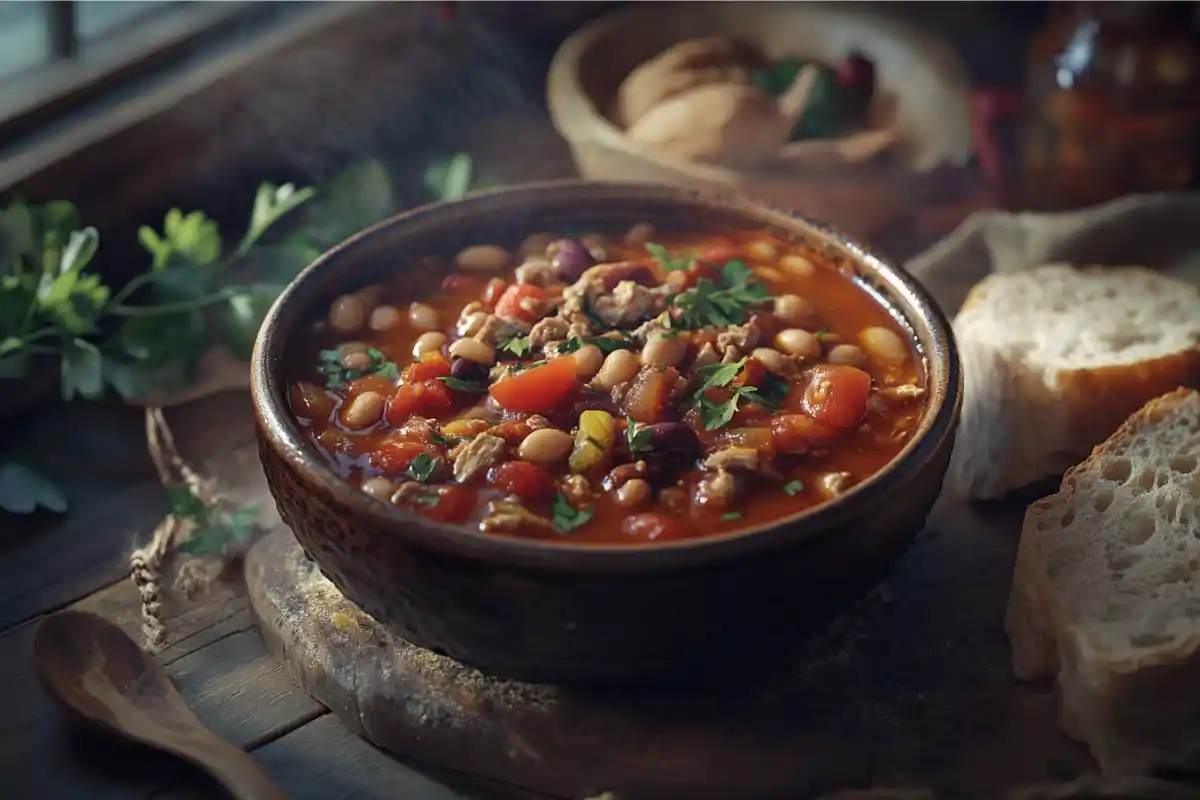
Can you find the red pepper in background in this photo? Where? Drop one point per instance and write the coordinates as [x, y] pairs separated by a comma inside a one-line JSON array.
[[857, 72]]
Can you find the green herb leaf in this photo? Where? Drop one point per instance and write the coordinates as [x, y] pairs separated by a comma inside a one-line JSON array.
[[772, 391], [668, 262], [517, 345], [567, 518], [570, 345], [732, 516], [22, 490], [719, 374], [191, 240], [337, 375], [427, 500], [449, 179], [82, 370], [271, 203], [356, 198], [421, 468], [608, 344], [638, 437], [718, 415], [793, 488], [441, 440], [472, 387]]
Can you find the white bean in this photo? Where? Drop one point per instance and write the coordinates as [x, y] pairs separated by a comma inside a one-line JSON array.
[[798, 343], [423, 317], [761, 251], [774, 360], [384, 318], [364, 410], [664, 350], [588, 360], [431, 342], [795, 311], [378, 487], [545, 446], [797, 265], [639, 234], [847, 354], [633, 492], [535, 244], [482, 258], [883, 344], [473, 350], [618, 367], [347, 313], [359, 360]]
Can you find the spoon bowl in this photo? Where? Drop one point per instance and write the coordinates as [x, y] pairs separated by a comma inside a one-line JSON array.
[[97, 671]]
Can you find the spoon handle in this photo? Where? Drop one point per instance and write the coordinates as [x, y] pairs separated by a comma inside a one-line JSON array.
[[235, 770]]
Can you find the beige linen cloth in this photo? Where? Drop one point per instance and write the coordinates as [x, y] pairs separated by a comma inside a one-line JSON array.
[[1159, 230]]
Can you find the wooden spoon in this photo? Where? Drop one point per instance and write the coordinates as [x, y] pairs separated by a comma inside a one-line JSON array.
[[96, 670]]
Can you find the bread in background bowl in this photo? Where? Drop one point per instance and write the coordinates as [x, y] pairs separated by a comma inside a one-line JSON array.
[[921, 84], [547, 611]]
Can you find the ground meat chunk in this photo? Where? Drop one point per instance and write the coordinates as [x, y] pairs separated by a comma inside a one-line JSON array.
[[509, 516], [550, 329], [716, 490], [743, 337], [628, 305], [537, 271], [477, 454], [835, 483], [740, 459], [577, 489], [707, 356], [418, 429]]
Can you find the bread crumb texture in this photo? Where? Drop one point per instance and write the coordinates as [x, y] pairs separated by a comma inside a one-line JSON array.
[[1106, 591], [1055, 358]]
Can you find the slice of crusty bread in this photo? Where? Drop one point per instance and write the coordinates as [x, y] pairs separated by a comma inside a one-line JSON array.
[[1106, 592], [1055, 358]]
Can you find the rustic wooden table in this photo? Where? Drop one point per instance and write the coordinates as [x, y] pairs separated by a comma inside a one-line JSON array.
[[929, 662]]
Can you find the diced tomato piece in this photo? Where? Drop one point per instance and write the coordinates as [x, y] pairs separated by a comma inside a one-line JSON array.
[[512, 304], [394, 455], [749, 414], [527, 481], [650, 395], [751, 373], [537, 390], [653, 527], [453, 505], [431, 365], [417, 398], [402, 404], [493, 292], [436, 395], [836, 395], [799, 433]]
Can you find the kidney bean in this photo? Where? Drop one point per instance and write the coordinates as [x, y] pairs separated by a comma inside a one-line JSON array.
[[570, 258], [673, 440], [466, 370]]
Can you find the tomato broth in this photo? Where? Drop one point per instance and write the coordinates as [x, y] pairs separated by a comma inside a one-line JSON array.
[[612, 389]]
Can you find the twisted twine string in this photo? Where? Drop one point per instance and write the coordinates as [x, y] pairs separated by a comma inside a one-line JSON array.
[[146, 563]]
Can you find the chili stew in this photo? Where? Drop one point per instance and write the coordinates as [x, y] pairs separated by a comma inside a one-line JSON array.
[[626, 389]]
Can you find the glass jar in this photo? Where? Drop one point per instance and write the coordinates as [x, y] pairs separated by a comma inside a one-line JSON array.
[[1112, 105]]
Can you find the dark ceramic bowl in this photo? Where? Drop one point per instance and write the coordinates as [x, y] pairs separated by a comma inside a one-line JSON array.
[[546, 611]]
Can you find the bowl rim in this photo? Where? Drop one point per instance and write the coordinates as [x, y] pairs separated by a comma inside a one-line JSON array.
[[282, 433]]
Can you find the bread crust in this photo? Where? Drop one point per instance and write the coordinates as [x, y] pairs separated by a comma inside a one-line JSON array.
[[1119, 704]]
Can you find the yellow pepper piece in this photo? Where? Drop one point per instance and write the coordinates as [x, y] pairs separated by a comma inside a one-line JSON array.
[[594, 441]]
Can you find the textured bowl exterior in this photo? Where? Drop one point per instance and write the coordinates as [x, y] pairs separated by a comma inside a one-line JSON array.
[[588, 615]]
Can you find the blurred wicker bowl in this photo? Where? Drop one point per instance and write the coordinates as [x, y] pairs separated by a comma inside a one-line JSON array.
[[920, 81]]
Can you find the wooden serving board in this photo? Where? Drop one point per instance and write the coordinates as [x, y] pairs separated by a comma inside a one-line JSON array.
[[910, 687]]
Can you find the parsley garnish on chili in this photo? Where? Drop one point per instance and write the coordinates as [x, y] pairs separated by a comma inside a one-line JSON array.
[[668, 262], [793, 488], [421, 468], [471, 387], [567, 518], [638, 437], [730, 303], [337, 375]]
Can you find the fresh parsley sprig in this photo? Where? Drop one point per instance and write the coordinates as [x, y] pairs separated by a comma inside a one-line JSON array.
[[567, 518], [729, 303], [715, 415], [422, 467], [670, 263], [459, 385], [638, 437], [338, 375]]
